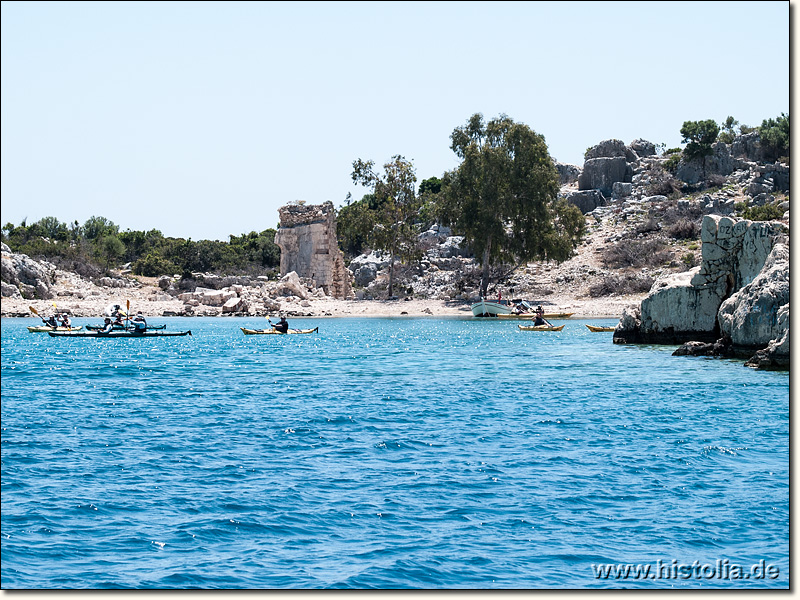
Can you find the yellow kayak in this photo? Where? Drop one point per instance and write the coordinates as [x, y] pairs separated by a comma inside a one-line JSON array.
[[597, 328], [272, 331], [540, 327], [45, 328]]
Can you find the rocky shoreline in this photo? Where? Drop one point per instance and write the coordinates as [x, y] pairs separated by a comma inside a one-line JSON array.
[[641, 262]]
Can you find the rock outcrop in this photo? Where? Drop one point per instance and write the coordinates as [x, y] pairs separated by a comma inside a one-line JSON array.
[[25, 277], [738, 293], [308, 243], [611, 162]]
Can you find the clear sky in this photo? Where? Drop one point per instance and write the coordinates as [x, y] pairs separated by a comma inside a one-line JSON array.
[[201, 119]]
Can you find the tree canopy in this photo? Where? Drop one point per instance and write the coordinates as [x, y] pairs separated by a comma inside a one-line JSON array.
[[699, 137], [99, 245], [503, 196], [774, 135], [395, 208]]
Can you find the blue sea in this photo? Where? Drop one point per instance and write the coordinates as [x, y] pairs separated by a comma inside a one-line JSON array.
[[387, 453]]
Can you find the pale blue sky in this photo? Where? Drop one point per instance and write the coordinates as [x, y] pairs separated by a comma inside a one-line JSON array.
[[201, 119]]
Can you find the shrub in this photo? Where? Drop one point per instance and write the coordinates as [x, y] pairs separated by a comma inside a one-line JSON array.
[[671, 164], [716, 180], [768, 212], [685, 229], [621, 284], [154, 265], [689, 259], [636, 253]]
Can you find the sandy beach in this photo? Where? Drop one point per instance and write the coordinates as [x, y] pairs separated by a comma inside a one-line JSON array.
[[143, 299]]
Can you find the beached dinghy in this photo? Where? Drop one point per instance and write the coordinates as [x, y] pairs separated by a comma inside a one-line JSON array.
[[117, 334], [46, 328], [540, 327], [598, 328], [273, 332]]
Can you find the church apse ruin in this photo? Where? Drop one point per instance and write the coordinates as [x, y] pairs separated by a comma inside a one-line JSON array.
[[307, 239]]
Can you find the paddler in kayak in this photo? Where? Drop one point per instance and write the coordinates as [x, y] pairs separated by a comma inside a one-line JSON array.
[[108, 327], [281, 326], [539, 319], [139, 323]]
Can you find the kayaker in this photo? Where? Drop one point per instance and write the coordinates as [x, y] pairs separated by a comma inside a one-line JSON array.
[[108, 327], [281, 326], [52, 321], [539, 319], [65, 322], [139, 323], [118, 320]]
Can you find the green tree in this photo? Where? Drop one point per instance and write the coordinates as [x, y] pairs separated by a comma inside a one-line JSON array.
[[354, 224], [96, 227], [774, 135], [153, 265], [396, 208], [728, 132], [503, 196], [109, 249], [698, 137], [432, 185], [53, 228]]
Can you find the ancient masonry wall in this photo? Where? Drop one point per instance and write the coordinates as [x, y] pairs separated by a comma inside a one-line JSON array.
[[307, 239]]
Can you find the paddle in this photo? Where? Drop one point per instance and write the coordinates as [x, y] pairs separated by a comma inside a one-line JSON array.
[[34, 311], [128, 313]]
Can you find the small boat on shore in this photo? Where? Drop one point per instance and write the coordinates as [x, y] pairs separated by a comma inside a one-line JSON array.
[[514, 309], [117, 334], [522, 316], [598, 328], [274, 332], [486, 308], [47, 328], [541, 327]]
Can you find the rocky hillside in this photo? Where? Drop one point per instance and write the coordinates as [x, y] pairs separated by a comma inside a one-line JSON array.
[[643, 214]]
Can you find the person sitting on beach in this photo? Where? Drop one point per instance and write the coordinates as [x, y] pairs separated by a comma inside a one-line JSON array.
[[281, 326], [139, 323]]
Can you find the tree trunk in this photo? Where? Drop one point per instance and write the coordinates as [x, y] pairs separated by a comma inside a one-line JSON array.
[[485, 274], [391, 276]]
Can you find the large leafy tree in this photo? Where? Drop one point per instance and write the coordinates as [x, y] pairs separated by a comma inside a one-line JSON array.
[[775, 137], [503, 196], [699, 137], [396, 206]]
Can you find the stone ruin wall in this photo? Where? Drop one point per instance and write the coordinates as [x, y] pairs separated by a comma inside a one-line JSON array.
[[307, 239]]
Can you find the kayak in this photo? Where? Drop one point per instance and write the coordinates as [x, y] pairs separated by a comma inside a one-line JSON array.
[[597, 328], [272, 331], [540, 328], [122, 327], [117, 334], [44, 328]]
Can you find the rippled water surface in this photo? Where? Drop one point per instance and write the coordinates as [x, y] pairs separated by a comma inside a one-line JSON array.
[[384, 453]]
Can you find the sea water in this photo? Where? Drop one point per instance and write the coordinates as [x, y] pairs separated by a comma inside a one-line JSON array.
[[388, 453]]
